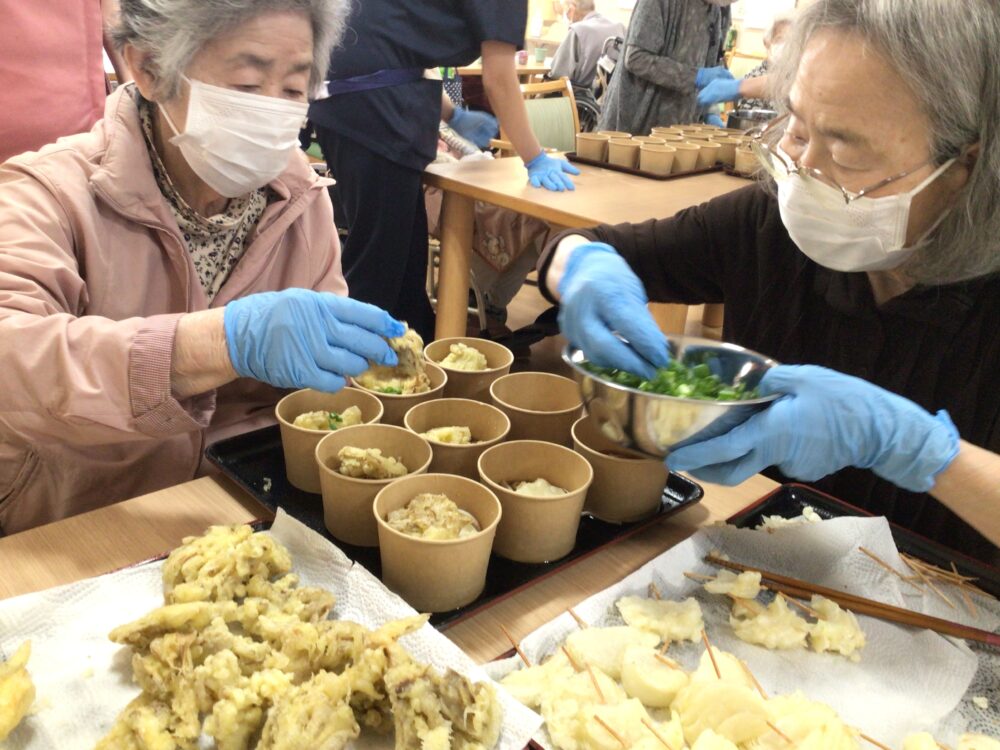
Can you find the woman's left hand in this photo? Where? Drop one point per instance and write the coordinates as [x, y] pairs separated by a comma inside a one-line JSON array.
[[550, 173], [827, 421]]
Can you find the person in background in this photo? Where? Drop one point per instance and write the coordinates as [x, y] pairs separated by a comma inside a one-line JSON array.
[[162, 275], [52, 80], [869, 264], [751, 90], [577, 55], [672, 50], [378, 129]]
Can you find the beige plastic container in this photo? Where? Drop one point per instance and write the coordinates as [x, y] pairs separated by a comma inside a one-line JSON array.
[[435, 575], [644, 139], [395, 406], [727, 152], [347, 502], [614, 133], [299, 444], [540, 406], [536, 529], [488, 425], [656, 158], [592, 145], [627, 486], [746, 162], [623, 152], [685, 156], [709, 154], [466, 384]]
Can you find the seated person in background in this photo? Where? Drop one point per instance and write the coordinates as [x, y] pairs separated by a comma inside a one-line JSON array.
[[141, 263], [751, 90], [577, 55], [869, 265]]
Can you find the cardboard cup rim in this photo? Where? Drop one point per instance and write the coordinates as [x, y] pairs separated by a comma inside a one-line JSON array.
[[381, 522], [362, 481], [658, 148], [490, 484], [457, 339], [285, 423], [604, 456], [401, 396], [686, 146], [591, 137], [521, 409], [478, 444]]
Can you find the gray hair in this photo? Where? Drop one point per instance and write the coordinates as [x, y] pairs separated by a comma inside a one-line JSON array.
[[948, 52], [173, 31], [584, 4], [780, 23]]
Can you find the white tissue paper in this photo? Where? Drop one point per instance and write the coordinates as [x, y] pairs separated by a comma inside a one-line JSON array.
[[908, 679], [83, 680]]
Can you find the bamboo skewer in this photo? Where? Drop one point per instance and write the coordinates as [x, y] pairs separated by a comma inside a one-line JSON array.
[[664, 648], [698, 576], [876, 743], [517, 648], [796, 587], [888, 567], [611, 731], [597, 687], [778, 732], [933, 588], [708, 647], [753, 679], [655, 591], [651, 728], [572, 661], [664, 660], [575, 616], [808, 610]]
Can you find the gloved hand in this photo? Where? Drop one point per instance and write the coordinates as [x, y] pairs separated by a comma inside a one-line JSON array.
[[601, 295], [548, 172], [705, 76], [827, 421], [298, 338], [719, 90], [478, 127], [714, 119]]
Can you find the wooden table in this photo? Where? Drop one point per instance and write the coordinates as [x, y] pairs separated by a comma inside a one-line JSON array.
[[602, 196], [524, 71], [139, 529]]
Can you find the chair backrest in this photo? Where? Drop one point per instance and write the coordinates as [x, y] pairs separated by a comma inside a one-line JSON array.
[[553, 119]]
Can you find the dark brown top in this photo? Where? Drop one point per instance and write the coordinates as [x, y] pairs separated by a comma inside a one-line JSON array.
[[938, 346]]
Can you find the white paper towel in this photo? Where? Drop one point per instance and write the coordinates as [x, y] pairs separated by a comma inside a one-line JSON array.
[[83, 680], [907, 680]]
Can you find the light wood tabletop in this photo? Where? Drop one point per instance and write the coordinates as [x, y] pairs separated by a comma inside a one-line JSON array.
[[602, 196], [145, 527], [530, 68]]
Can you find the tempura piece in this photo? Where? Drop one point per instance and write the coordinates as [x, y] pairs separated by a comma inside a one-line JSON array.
[[709, 740], [733, 711], [604, 648], [17, 691], [627, 720], [538, 488], [774, 626], [407, 377], [671, 621], [566, 708], [977, 742], [453, 435], [529, 684], [920, 741], [464, 357], [144, 724], [746, 585], [369, 463], [773, 523], [837, 630], [315, 715], [329, 420], [171, 618], [807, 723], [653, 678], [433, 516], [730, 669]]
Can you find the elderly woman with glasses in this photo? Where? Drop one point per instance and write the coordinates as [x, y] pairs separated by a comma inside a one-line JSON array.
[[867, 262], [161, 274]]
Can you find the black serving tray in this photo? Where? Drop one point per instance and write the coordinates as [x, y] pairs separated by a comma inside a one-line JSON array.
[[255, 460], [573, 156], [788, 501]]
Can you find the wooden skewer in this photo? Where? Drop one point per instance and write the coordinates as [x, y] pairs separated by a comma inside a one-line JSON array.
[[708, 647], [753, 679], [575, 616], [655, 591], [664, 648], [888, 567], [573, 662], [611, 731], [936, 572], [651, 728], [697, 576], [597, 688], [664, 660], [808, 610], [969, 604], [804, 589], [517, 648], [778, 732], [933, 588], [876, 743]]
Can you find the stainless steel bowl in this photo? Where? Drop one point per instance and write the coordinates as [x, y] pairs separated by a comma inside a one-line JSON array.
[[656, 424], [747, 119]]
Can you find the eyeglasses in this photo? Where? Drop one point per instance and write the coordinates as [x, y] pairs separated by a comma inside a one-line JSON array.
[[779, 165]]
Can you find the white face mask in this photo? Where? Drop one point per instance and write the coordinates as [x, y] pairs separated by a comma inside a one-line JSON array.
[[866, 234], [234, 141]]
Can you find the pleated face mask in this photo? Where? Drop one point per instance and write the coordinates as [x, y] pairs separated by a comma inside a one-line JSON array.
[[234, 141]]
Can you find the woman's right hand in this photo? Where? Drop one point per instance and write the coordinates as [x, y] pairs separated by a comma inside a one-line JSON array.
[[298, 338]]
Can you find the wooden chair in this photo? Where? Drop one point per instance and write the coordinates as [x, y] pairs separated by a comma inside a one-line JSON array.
[[553, 119]]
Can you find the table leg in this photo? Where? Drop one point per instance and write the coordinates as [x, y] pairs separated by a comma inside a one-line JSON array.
[[713, 315], [670, 318], [457, 217]]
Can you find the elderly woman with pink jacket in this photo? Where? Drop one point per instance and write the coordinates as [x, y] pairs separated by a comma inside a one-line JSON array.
[[162, 275]]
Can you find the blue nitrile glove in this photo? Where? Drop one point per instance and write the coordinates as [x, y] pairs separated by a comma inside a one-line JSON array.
[[601, 295], [827, 421], [719, 90], [548, 172], [714, 119], [298, 338], [705, 76], [478, 127]]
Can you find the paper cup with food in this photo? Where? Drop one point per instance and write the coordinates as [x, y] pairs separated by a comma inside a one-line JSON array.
[[472, 365], [459, 430]]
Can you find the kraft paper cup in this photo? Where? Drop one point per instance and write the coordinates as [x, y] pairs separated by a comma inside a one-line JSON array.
[[488, 425], [536, 529], [709, 154], [623, 152], [299, 444], [395, 406], [615, 133], [347, 501], [628, 486], [644, 139], [436, 575], [672, 138], [685, 156], [656, 158], [592, 145], [471, 384], [659, 132], [746, 162], [540, 406], [727, 154]]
